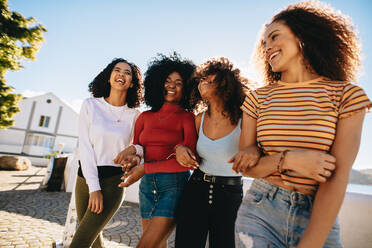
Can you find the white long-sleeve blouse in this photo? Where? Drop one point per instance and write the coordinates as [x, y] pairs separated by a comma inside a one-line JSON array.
[[104, 131]]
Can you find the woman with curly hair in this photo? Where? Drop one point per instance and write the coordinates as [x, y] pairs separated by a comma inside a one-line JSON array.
[[212, 196], [159, 131], [106, 127], [308, 120]]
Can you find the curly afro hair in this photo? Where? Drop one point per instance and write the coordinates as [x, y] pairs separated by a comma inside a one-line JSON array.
[[156, 74], [100, 86], [230, 85], [329, 43]]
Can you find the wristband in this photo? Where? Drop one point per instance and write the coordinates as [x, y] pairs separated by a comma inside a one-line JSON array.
[[139, 150]]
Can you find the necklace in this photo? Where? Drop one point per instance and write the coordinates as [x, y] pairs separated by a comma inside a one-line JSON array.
[[115, 116], [216, 121]]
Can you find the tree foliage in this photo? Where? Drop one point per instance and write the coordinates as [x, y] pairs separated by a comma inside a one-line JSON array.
[[20, 39]]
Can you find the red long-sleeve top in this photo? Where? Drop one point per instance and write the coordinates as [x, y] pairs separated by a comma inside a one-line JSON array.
[[159, 132]]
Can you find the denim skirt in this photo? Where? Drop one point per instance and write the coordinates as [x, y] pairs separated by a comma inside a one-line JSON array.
[[271, 216], [159, 193]]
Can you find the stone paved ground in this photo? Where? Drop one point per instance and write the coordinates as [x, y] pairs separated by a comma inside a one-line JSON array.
[[31, 217]]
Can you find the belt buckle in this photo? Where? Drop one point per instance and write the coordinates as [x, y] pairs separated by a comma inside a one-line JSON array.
[[208, 178]]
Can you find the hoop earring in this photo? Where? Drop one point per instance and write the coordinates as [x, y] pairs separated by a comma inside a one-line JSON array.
[[301, 45]]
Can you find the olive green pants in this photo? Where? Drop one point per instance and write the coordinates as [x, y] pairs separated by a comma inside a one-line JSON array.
[[89, 231]]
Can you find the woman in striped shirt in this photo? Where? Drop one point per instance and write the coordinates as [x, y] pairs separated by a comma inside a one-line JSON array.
[[307, 121]]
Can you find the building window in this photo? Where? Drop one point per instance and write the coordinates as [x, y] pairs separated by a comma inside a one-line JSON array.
[[35, 140], [44, 121], [29, 139], [39, 140]]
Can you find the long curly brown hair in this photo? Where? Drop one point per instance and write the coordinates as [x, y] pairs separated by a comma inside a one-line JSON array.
[[329, 43], [229, 88], [159, 69]]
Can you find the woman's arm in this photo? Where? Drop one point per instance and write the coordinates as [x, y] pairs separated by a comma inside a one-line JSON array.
[[189, 132], [120, 158], [248, 154], [184, 155], [330, 195], [88, 162], [132, 176], [86, 152], [312, 164]]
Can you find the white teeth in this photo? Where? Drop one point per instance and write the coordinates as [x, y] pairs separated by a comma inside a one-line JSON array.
[[171, 92], [120, 80], [273, 55]]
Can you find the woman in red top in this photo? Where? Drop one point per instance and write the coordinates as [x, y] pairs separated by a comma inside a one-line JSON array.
[[159, 131]]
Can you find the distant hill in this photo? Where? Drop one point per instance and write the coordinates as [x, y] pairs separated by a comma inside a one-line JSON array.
[[367, 171], [361, 177]]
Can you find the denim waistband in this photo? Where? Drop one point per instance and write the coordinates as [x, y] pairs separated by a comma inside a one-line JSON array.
[[273, 191]]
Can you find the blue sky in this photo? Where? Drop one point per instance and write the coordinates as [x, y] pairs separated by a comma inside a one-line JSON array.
[[84, 36]]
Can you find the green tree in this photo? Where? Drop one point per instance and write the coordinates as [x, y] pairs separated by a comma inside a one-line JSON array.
[[20, 39]]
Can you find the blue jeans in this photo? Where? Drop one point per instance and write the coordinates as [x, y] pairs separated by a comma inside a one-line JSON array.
[[271, 216], [159, 193]]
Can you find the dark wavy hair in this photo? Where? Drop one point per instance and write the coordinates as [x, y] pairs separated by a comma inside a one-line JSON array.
[[230, 85], [159, 69], [100, 86], [329, 43]]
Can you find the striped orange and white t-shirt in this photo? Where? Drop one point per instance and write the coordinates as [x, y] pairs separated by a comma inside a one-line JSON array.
[[301, 116]]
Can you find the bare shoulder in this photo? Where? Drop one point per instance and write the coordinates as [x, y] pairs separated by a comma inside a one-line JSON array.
[[198, 119]]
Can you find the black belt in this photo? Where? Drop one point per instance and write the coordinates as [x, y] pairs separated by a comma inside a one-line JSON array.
[[198, 175], [104, 171]]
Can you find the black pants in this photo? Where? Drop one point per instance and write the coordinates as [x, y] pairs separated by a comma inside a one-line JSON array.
[[207, 208]]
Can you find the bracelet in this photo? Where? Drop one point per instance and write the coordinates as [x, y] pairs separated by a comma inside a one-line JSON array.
[[281, 162], [172, 154], [138, 156]]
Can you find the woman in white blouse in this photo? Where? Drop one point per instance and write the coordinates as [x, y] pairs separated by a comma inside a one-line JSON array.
[[105, 128]]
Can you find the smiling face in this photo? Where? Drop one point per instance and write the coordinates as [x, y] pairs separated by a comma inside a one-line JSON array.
[[281, 47], [207, 87], [121, 77], [173, 88]]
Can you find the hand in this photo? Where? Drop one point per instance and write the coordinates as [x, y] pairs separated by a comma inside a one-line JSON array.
[[95, 203], [245, 159], [132, 176], [120, 158], [186, 157], [130, 161], [312, 164]]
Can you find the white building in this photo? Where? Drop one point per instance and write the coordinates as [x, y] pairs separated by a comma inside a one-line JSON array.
[[44, 124]]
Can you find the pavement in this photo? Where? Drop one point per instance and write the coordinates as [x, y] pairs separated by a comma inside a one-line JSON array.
[[32, 217]]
